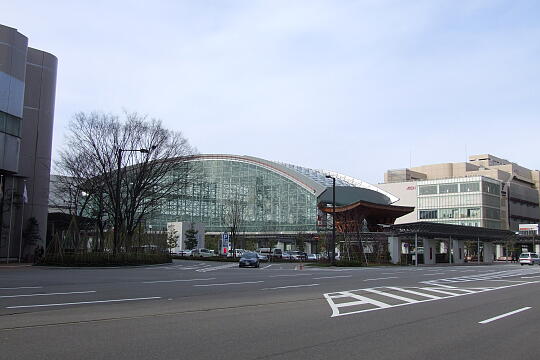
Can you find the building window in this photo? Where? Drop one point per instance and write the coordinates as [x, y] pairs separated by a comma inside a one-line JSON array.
[[469, 187], [10, 124], [428, 214], [448, 213], [427, 189], [491, 188], [448, 188], [492, 213], [469, 212]]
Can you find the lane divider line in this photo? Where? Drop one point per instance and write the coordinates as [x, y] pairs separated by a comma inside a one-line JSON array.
[[274, 276], [22, 287], [504, 315], [383, 278], [233, 283], [47, 294], [290, 286], [180, 280], [84, 302]]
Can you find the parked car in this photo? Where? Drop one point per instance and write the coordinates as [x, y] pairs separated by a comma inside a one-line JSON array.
[[314, 257], [237, 253], [262, 257], [184, 252], [298, 255], [202, 253], [286, 256], [529, 258], [270, 253], [277, 253], [249, 259]]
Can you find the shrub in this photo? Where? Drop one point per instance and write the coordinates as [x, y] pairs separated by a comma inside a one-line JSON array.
[[104, 259]]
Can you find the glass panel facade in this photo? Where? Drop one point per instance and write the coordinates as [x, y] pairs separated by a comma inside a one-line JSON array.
[[427, 189], [10, 124], [460, 202], [449, 213], [492, 213], [491, 188], [448, 188], [491, 200], [270, 202], [428, 214], [469, 212], [469, 187]]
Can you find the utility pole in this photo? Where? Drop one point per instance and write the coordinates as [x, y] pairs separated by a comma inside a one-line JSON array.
[[333, 219]]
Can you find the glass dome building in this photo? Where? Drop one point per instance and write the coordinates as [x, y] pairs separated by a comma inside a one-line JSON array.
[[274, 197]]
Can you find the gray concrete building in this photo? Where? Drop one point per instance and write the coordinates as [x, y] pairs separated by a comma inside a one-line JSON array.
[[486, 191], [27, 98]]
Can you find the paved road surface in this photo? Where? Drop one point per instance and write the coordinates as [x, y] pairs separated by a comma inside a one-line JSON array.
[[209, 310]]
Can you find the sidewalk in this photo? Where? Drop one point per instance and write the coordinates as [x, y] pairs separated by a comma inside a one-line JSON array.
[[14, 265]]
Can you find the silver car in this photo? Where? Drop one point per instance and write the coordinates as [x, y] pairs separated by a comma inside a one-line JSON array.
[[529, 258]]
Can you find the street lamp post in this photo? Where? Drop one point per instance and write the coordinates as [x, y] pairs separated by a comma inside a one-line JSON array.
[[333, 219], [118, 181]]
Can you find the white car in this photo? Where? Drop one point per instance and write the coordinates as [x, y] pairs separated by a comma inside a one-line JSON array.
[[238, 253], [202, 253], [529, 258]]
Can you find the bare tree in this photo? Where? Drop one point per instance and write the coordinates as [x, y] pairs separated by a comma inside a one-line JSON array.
[[151, 167], [172, 238], [233, 217]]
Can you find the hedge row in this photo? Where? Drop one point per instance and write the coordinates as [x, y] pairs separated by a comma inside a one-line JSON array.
[[104, 259]]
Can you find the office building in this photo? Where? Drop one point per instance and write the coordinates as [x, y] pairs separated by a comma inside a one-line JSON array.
[[27, 97], [486, 191]]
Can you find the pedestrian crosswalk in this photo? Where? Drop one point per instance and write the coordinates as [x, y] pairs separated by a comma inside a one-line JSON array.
[[220, 267], [198, 267], [497, 275], [357, 301]]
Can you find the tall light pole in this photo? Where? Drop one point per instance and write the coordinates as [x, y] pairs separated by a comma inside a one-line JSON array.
[[118, 181], [333, 258]]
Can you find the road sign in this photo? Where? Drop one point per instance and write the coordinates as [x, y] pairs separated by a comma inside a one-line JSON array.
[[225, 241]]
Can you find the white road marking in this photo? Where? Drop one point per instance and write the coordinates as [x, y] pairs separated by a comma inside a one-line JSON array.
[[430, 274], [274, 276], [394, 296], [267, 266], [22, 287], [206, 269], [364, 300], [383, 278], [504, 315], [48, 294], [440, 291], [530, 277], [332, 277], [233, 283], [290, 286], [363, 303], [429, 296], [83, 302], [181, 280]]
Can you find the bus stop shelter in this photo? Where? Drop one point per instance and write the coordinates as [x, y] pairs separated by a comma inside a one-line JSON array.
[[440, 243]]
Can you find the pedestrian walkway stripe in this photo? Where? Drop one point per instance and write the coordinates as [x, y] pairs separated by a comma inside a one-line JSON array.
[[384, 297]]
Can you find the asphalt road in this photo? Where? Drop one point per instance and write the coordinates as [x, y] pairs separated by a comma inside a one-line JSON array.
[[209, 310]]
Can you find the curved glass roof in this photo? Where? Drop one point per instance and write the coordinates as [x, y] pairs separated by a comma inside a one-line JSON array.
[[311, 179]]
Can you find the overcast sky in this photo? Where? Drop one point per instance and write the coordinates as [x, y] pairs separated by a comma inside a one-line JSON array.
[[357, 87]]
